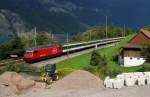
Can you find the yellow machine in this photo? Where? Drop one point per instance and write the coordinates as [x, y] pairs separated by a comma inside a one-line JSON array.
[[45, 78], [50, 74]]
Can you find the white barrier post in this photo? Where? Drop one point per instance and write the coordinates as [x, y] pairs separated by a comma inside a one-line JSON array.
[[118, 83], [141, 81]]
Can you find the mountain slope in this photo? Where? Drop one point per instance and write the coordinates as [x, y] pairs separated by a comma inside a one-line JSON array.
[[11, 22], [73, 16], [36, 13]]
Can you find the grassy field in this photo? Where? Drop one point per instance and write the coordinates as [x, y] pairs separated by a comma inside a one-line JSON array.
[[83, 61]]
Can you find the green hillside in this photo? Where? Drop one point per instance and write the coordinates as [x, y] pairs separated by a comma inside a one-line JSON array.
[[99, 32], [82, 61]]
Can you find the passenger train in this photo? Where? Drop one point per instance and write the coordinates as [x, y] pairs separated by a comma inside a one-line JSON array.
[[43, 52]]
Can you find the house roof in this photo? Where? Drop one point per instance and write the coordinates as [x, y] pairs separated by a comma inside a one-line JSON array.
[[134, 46], [137, 45], [145, 32]]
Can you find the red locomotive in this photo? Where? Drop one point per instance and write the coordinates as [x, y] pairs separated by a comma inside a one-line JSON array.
[[42, 52]]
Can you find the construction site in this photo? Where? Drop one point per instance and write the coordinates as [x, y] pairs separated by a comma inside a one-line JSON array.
[[74, 48], [47, 79], [77, 84]]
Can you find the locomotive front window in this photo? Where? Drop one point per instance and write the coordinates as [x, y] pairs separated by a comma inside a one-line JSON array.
[[29, 52]]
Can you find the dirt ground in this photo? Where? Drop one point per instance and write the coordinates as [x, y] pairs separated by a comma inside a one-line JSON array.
[[84, 84], [142, 91], [77, 84]]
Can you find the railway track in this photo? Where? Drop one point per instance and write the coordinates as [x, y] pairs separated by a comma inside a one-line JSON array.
[[74, 51], [11, 62]]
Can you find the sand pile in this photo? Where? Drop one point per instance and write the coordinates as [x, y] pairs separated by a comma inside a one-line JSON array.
[[12, 83], [78, 80]]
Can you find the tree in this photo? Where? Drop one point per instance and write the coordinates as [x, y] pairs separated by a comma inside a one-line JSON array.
[[95, 58], [43, 38], [146, 51], [14, 46], [98, 32], [4, 51]]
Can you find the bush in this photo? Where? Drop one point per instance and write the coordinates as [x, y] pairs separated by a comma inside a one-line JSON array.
[[95, 58], [102, 72], [42, 70], [102, 62], [146, 51], [144, 68], [115, 58], [64, 71], [1, 71], [100, 66], [113, 72], [22, 68], [90, 69], [11, 68]]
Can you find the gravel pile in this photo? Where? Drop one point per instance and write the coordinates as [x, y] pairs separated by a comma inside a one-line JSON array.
[[78, 80], [12, 83]]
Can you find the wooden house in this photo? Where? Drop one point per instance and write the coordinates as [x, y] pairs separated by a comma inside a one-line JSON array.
[[131, 53]]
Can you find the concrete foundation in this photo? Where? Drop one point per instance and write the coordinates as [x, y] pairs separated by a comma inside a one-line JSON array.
[[129, 82], [147, 74], [117, 84], [109, 83], [141, 81], [106, 80], [128, 79], [139, 74], [127, 75], [148, 80]]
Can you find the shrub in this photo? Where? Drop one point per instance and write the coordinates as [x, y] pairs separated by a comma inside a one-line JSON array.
[[102, 62], [10, 68], [64, 71], [113, 72], [115, 58], [90, 69], [95, 58], [102, 72], [22, 68], [146, 51], [102, 67], [1, 71], [42, 70], [144, 68]]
